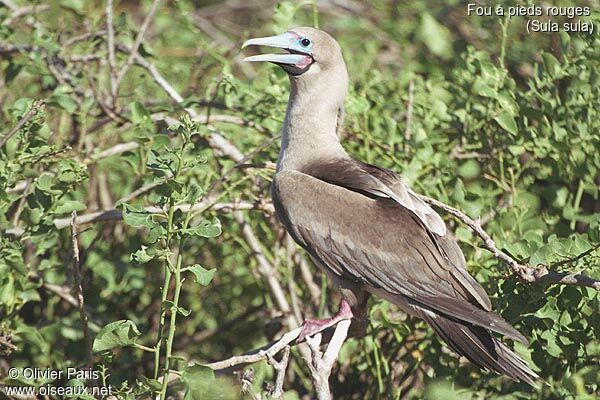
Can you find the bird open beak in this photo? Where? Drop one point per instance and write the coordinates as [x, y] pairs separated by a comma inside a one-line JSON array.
[[288, 41]]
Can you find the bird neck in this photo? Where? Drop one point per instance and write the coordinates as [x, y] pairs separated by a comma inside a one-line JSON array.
[[310, 126]]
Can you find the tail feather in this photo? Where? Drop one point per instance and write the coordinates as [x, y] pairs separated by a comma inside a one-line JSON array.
[[468, 312], [481, 348]]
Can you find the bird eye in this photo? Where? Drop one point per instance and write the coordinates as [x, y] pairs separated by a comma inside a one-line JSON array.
[[305, 42]]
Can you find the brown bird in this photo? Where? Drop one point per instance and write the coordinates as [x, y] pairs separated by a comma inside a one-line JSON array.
[[367, 230]]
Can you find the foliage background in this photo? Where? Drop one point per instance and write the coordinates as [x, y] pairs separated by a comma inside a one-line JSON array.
[[471, 110]]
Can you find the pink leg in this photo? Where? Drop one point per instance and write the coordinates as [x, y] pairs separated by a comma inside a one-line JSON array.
[[313, 326]]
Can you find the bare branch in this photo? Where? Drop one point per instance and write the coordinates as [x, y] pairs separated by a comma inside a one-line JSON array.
[[116, 149], [80, 38], [409, 111], [35, 107], [539, 274], [265, 267], [280, 368], [79, 289], [7, 344], [259, 354], [110, 43], [215, 140], [321, 364], [114, 214], [313, 289], [19, 12], [289, 250], [138, 41], [61, 291]]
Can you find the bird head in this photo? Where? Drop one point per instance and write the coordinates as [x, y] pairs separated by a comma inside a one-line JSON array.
[[308, 51]]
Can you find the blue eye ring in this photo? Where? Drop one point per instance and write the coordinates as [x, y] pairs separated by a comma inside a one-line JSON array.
[[305, 42]]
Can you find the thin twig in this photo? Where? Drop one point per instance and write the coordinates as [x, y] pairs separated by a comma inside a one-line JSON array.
[[24, 11], [215, 140], [280, 368], [61, 291], [35, 107], [138, 41], [7, 344], [79, 289], [116, 149], [110, 43], [80, 38], [115, 214], [539, 274], [258, 354], [265, 268], [313, 289], [409, 111], [289, 249]]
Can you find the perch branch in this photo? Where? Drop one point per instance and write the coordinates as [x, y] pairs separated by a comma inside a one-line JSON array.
[[320, 364], [539, 274], [257, 355]]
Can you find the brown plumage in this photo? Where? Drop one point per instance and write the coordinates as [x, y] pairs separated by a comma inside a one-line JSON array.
[[363, 226]]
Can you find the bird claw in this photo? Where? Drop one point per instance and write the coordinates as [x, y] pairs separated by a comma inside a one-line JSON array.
[[312, 326]]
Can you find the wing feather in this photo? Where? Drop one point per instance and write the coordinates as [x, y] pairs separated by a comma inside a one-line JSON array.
[[367, 178]]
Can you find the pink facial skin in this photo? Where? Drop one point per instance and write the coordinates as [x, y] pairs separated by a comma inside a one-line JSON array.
[[305, 62]]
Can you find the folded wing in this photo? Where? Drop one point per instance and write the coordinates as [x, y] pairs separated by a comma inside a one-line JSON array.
[[382, 245]]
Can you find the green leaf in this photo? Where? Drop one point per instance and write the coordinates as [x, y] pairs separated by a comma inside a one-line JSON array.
[[551, 64], [184, 311], [169, 305], [152, 384], [206, 228], [549, 310], [73, 5], [469, 169], [45, 183], [551, 347], [116, 334], [139, 114], [203, 276], [507, 122], [141, 256], [137, 217], [30, 337], [69, 206], [435, 36], [195, 378], [131, 158], [63, 101], [440, 389], [193, 193], [12, 70], [156, 232], [160, 141]]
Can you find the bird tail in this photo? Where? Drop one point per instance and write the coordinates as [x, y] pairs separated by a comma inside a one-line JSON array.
[[481, 348]]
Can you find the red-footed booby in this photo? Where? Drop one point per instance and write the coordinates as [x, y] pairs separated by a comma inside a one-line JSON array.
[[367, 230]]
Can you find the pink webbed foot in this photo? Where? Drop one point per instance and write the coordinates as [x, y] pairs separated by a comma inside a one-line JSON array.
[[313, 326]]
